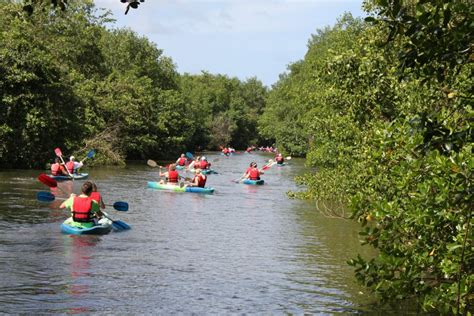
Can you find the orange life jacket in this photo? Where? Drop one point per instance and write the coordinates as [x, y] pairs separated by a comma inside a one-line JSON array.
[[82, 209]]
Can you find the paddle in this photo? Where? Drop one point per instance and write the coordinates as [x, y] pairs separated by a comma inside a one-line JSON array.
[[189, 155], [269, 164], [50, 182], [90, 154], [118, 225], [58, 153], [153, 164], [44, 196]]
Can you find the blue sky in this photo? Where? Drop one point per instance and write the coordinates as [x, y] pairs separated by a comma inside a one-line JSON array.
[[239, 38]]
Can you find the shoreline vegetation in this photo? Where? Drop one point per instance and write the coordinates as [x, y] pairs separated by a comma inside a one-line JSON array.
[[381, 108]]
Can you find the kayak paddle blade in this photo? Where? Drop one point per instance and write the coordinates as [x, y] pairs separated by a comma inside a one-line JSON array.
[[43, 196], [45, 179], [58, 152], [152, 163], [119, 225], [121, 206], [189, 155], [91, 153]]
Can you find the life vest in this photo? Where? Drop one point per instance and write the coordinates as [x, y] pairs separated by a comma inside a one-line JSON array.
[[197, 165], [204, 164], [55, 169], [201, 180], [82, 209], [279, 159], [225, 151], [181, 161], [254, 174], [70, 166], [173, 176], [95, 196]]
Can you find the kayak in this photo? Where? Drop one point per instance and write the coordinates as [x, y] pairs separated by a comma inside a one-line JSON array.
[[178, 167], [177, 188], [280, 164], [78, 176], [75, 228], [205, 171], [208, 171], [253, 182]]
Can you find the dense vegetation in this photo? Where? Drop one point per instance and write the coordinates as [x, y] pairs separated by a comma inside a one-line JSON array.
[[383, 110], [68, 81]]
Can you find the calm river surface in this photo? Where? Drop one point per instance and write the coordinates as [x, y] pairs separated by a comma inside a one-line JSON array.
[[244, 249]]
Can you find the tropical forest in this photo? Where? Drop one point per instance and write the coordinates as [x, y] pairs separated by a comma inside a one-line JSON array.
[[379, 110]]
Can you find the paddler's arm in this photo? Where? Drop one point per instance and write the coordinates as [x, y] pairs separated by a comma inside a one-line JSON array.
[[68, 202]]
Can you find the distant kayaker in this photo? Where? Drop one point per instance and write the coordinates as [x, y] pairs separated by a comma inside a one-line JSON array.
[[172, 176], [72, 165], [195, 164], [199, 179], [204, 164], [279, 159], [225, 151], [57, 168], [181, 160], [96, 196], [83, 208]]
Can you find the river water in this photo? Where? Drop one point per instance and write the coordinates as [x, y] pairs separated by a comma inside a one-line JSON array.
[[244, 249]]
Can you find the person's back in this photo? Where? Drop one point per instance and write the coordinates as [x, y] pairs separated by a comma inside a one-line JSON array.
[[82, 207]]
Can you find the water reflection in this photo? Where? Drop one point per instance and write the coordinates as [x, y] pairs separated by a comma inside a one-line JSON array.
[[78, 253]]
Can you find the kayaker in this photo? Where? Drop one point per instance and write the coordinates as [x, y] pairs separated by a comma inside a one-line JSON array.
[[199, 179], [279, 159], [72, 165], [57, 168], [195, 164], [252, 172], [96, 196], [83, 208], [225, 151], [181, 160], [204, 164], [172, 176]]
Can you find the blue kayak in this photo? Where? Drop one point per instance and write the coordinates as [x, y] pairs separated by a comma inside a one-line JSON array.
[[75, 228], [177, 188], [79, 176], [253, 182], [280, 164]]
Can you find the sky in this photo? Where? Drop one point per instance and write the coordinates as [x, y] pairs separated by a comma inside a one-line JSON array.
[[238, 38]]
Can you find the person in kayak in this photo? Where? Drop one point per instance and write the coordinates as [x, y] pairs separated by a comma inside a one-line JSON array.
[[73, 166], [57, 168], [199, 179], [252, 172], [96, 196], [172, 176], [204, 164], [181, 160], [195, 164], [279, 159], [84, 209]]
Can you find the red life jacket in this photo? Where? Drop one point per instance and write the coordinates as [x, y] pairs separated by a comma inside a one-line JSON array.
[[55, 169], [181, 161], [173, 176], [197, 165], [95, 196], [279, 158], [201, 180], [204, 164], [254, 174], [82, 209], [70, 166]]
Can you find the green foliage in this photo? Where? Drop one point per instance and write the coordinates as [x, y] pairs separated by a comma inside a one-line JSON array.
[[389, 130], [224, 110]]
